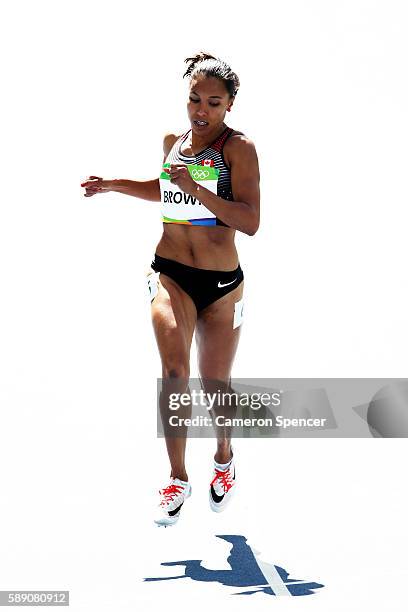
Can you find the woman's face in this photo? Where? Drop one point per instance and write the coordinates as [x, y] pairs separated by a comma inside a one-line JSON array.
[[208, 102]]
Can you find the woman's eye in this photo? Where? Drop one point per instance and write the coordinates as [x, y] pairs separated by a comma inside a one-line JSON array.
[[211, 103]]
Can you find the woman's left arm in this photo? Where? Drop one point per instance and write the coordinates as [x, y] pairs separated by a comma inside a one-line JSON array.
[[243, 213]]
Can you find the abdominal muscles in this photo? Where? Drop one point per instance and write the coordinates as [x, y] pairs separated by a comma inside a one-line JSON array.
[[210, 248]]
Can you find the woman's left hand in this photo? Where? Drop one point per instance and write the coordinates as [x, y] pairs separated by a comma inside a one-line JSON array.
[[180, 176]]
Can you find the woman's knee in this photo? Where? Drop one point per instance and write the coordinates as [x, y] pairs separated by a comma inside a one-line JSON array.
[[175, 379], [174, 370]]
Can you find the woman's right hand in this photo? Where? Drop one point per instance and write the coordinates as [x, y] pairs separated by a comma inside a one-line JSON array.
[[95, 184]]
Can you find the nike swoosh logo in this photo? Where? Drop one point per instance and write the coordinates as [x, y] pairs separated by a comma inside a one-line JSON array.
[[173, 512], [216, 498], [225, 284]]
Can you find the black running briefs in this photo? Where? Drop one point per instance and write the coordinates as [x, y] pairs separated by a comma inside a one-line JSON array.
[[203, 286]]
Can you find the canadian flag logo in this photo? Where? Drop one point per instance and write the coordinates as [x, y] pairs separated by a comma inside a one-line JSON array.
[[208, 162]]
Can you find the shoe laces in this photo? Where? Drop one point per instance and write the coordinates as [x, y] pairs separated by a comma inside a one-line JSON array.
[[169, 492], [224, 477]]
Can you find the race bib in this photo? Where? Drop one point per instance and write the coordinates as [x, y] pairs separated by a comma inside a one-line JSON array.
[[180, 207], [152, 281]]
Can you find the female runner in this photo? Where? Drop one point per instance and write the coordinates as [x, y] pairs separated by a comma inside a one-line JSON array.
[[208, 189]]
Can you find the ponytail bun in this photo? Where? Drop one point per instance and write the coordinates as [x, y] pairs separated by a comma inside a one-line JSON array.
[[193, 61]]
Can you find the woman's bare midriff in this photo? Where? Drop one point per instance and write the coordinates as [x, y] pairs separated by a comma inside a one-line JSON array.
[[210, 248]]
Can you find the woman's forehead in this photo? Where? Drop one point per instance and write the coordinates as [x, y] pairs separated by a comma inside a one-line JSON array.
[[208, 85]]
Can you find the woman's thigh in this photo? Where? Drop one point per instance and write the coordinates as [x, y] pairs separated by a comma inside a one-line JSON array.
[[174, 317], [216, 338]]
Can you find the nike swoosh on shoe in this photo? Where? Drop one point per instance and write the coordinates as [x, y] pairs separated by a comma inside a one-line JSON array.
[[216, 498], [173, 512]]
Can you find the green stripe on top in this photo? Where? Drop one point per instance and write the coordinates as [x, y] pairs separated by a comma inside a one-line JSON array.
[[197, 172]]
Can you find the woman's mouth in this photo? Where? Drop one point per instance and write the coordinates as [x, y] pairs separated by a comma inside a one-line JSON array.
[[200, 124]]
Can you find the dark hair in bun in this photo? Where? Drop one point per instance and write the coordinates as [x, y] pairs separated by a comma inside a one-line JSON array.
[[210, 66]]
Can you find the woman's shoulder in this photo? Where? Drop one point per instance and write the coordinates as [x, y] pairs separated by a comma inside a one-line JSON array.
[[237, 137], [236, 144], [169, 139]]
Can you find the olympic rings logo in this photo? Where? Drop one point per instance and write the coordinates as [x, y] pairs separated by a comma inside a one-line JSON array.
[[199, 174]]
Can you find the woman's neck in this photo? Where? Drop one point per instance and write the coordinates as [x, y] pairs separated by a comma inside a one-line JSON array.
[[198, 143]]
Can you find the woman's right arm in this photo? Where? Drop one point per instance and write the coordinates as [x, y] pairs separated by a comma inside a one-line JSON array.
[[145, 190]]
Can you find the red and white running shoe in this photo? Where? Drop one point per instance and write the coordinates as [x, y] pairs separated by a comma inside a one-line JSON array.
[[222, 487], [172, 498]]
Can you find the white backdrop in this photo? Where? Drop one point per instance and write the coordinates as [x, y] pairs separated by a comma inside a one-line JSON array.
[[91, 89]]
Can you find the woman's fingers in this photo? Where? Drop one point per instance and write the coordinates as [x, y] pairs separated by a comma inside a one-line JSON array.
[[91, 190], [177, 170], [92, 180], [95, 184]]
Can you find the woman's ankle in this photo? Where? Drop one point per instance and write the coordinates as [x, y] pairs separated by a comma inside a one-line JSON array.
[[180, 475], [223, 456]]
